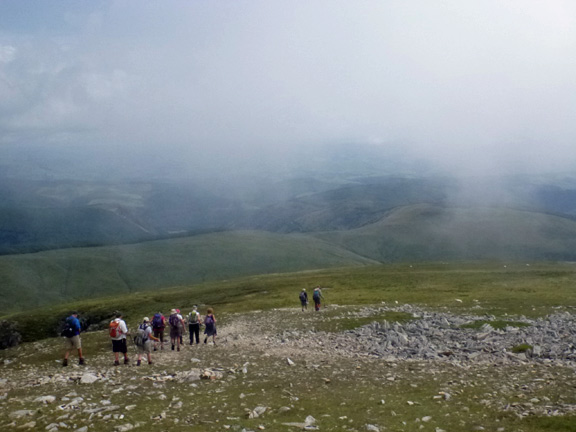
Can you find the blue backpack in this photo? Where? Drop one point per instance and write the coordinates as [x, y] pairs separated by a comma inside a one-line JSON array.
[[157, 321]]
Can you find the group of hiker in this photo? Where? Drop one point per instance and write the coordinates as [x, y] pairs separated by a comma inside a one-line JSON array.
[[316, 297], [149, 335]]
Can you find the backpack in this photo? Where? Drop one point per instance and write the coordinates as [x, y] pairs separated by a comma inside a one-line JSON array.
[[192, 318], [141, 336], [114, 329], [209, 320], [303, 296], [68, 330], [157, 321], [174, 321], [316, 296]]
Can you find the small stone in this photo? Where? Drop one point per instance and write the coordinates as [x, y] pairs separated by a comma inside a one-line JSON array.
[[309, 420], [45, 399]]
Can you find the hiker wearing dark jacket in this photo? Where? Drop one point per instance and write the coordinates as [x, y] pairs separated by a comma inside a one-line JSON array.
[[304, 299], [73, 338]]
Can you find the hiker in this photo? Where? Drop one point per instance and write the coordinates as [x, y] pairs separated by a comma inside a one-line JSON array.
[[183, 326], [118, 331], [158, 326], [317, 297], [194, 322], [176, 328], [143, 340], [72, 334], [210, 323], [304, 299]]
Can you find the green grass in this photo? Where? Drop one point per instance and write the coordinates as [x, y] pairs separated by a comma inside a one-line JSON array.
[[342, 395], [339, 323], [522, 348], [515, 290], [51, 277]]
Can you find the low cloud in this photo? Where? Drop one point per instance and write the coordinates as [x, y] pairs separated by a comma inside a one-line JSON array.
[[471, 87]]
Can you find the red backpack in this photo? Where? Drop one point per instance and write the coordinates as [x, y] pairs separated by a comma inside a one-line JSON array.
[[114, 329]]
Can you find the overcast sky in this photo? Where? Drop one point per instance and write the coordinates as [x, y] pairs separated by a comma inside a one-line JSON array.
[[486, 83]]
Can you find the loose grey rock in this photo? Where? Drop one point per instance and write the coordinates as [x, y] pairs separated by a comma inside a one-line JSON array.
[[88, 378], [45, 399]]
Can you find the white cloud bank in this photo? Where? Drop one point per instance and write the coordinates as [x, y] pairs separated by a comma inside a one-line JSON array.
[[472, 84]]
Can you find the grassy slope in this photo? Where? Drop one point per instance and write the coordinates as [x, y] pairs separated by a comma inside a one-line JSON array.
[[426, 232], [514, 289], [407, 234], [357, 388], [53, 276]]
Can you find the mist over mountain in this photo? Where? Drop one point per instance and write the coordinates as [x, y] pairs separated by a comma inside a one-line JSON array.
[[395, 131], [73, 199]]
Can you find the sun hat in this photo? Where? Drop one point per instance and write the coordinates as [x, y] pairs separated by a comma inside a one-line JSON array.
[[173, 311], [146, 319]]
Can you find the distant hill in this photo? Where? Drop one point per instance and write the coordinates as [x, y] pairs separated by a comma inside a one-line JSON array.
[[40, 215], [425, 232], [31, 280], [348, 206], [413, 233]]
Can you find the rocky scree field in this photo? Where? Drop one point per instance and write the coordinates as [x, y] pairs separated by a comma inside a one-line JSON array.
[[385, 367]]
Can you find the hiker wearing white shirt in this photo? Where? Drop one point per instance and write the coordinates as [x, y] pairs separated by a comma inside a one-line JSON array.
[[118, 331]]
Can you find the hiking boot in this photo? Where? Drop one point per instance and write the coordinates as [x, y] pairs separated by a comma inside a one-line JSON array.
[[149, 362], [81, 361], [65, 362], [178, 349], [172, 347], [126, 361], [138, 363], [116, 363]]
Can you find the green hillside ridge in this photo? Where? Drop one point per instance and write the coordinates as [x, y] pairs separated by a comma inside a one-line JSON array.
[[33, 280], [415, 233], [426, 232], [530, 289]]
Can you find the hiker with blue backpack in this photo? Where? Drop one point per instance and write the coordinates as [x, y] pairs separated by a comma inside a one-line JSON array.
[[210, 326], [72, 334], [194, 321], [158, 326], [143, 341]]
